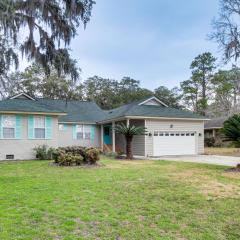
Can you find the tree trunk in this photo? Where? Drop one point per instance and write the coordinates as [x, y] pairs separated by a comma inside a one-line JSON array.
[[129, 147]]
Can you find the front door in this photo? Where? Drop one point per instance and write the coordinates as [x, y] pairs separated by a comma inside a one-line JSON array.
[[107, 136]]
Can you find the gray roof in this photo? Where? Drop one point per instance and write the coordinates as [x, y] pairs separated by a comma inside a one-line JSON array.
[[83, 111], [134, 109], [215, 123]]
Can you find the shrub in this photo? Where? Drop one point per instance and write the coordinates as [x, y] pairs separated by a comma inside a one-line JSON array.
[[43, 152], [92, 155], [69, 159], [68, 156], [209, 142]]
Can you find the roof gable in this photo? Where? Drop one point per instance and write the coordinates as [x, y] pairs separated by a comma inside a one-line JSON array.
[[153, 101], [22, 96]]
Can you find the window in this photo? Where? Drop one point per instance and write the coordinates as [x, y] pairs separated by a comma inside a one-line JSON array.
[[87, 132], [79, 130], [8, 126], [39, 127], [192, 134], [155, 133], [172, 134]]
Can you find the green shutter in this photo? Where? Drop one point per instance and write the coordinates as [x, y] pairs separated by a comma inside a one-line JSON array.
[[92, 136], [74, 128], [18, 127], [30, 127], [0, 126], [48, 127]]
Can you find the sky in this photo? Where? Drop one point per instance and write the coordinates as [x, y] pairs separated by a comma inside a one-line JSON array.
[[153, 41]]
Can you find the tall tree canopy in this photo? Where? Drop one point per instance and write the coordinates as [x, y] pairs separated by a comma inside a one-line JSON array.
[[48, 27], [196, 90], [171, 97], [227, 29]]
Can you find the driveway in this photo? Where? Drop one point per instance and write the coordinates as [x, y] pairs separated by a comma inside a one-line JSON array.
[[209, 159]]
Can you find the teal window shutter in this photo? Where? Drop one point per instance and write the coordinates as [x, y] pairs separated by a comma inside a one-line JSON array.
[[74, 128], [65, 127], [18, 127], [48, 127], [30, 127], [92, 136], [0, 126]]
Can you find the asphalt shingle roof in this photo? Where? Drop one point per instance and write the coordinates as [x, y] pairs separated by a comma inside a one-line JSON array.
[[83, 111], [134, 109], [215, 123]]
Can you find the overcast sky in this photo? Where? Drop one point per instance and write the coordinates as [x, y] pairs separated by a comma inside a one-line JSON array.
[[153, 41]]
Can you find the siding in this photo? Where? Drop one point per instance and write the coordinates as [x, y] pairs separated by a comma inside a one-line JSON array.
[[23, 148], [65, 138], [178, 125], [138, 143]]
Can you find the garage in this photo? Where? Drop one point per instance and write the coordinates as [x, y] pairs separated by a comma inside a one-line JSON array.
[[174, 143]]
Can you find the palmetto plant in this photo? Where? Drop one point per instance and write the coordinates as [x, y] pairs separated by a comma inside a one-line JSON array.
[[231, 129], [129, 132]]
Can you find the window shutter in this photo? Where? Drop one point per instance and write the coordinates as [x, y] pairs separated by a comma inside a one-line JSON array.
[[92, 136], [0, 126], [48, 127], [18, 128], [74, 128], [65, 127], [30, 127]]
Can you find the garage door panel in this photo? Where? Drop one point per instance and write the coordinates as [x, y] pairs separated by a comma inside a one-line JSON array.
[[174, 144]]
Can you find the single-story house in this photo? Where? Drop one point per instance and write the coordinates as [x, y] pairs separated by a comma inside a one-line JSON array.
[[212, 129], [26, 122]]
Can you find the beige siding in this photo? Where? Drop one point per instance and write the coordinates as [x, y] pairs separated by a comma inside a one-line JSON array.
[[66, 138], [178, 125], [138, 144], [23, 148]]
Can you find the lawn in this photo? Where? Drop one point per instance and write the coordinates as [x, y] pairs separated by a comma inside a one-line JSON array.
[[120, 200], [223, 151]]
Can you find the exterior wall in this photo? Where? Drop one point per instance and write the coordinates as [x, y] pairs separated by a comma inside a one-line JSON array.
[[178, 125], [23, 148], [138, 143], [65, 138]]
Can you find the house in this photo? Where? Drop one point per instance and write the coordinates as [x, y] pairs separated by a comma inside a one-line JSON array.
[[212, 129], [26, 122]]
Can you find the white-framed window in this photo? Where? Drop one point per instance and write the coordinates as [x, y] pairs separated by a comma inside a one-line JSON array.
[[39, 127], [79, 129], [8, 126], [83, 131], [87, 132]]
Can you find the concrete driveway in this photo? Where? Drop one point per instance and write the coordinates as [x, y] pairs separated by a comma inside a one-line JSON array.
[[209, 159]]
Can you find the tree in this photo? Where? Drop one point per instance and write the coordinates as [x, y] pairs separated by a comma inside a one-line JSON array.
[[227, 29], [171, 97], [48, 26], [36, 83], [231, 129], [198, 87], [190, 93], [129, 132]]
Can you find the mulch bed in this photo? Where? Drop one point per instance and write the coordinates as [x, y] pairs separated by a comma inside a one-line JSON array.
[[234, 169]]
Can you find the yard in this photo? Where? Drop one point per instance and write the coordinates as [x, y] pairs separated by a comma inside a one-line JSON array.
[[235, 152], [120, 200]]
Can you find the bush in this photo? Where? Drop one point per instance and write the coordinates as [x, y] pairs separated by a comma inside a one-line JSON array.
[[44, 153], [69, 159], [92, 155], [68, 156], [209, 142]]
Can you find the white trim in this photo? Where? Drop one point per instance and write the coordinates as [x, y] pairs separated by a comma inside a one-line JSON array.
[[168, 118], [153, 98], [33, 113], [78, 123], [24, 94]]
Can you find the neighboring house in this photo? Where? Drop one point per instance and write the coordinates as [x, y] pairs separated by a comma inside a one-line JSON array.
[[212, 129], [26, 122]]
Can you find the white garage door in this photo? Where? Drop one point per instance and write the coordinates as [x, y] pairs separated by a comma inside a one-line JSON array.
[[174, 143]]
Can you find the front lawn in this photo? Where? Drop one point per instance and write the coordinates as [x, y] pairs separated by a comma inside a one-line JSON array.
[[235, 152], [121, 200]]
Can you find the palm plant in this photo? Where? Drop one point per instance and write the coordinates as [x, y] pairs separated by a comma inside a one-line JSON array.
[[231, 129], [129, 132]]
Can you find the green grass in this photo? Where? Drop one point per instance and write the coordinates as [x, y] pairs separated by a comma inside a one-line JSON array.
[[120, 200]]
